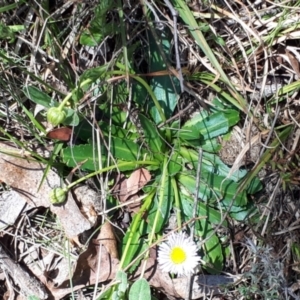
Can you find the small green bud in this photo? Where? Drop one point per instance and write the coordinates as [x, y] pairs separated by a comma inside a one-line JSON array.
[[58, 196], [56, 116]]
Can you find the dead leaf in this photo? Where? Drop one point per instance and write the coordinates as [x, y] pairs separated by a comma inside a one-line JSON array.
[[120, 188], [126, 189], [24, 177], [108, 239], [293, 62], [11, 206], [137, 180]]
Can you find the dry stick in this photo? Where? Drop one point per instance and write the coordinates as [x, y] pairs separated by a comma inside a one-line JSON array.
[[29, 285], [178, 65], [200, 154]]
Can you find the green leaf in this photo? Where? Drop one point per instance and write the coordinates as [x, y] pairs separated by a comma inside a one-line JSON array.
[[140, 290], [196, 119], [188, 18], [124, 150], [72, 118], [232, 116], [191, 134], [152, 137], [214, 188], [163, 211], [212, 248], [175, 164], [94, 73], [86, 131], [72, 156], [281, 136], [39, 97], [213, 125], [122, 286], [210, 163], [8, 32], [134, 236], [211, 215], [33, 298], [166, 88], [89, 38]]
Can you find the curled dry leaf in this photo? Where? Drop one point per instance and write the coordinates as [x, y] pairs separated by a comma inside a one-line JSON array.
[[127, 189], [24, 177], [137, 180], [108, 240]]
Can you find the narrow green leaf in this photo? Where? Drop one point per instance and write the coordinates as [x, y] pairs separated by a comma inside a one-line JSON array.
[[212, 126], [132, 243], [11, 6], [214, 188], [140, 290], [152, 136], [281, 136], [121, 149], [212, 248], [211, 163], [196, 119], [72, 156], [39, 97], [166, 88], [211, 215], [125, 149], [162, 213], [175, 164], [94, 73]]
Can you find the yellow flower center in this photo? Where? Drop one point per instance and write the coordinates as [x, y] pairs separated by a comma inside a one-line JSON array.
[[178, 256]]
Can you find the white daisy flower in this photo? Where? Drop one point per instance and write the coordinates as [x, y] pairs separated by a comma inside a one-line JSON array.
[[178, 255]]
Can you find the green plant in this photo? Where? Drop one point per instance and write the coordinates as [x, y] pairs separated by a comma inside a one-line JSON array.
[[168, 149], [266, 277], [169, 152]]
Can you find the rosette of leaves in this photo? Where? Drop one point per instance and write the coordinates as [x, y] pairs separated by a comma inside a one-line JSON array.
[[142, 138], [170, 153]]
